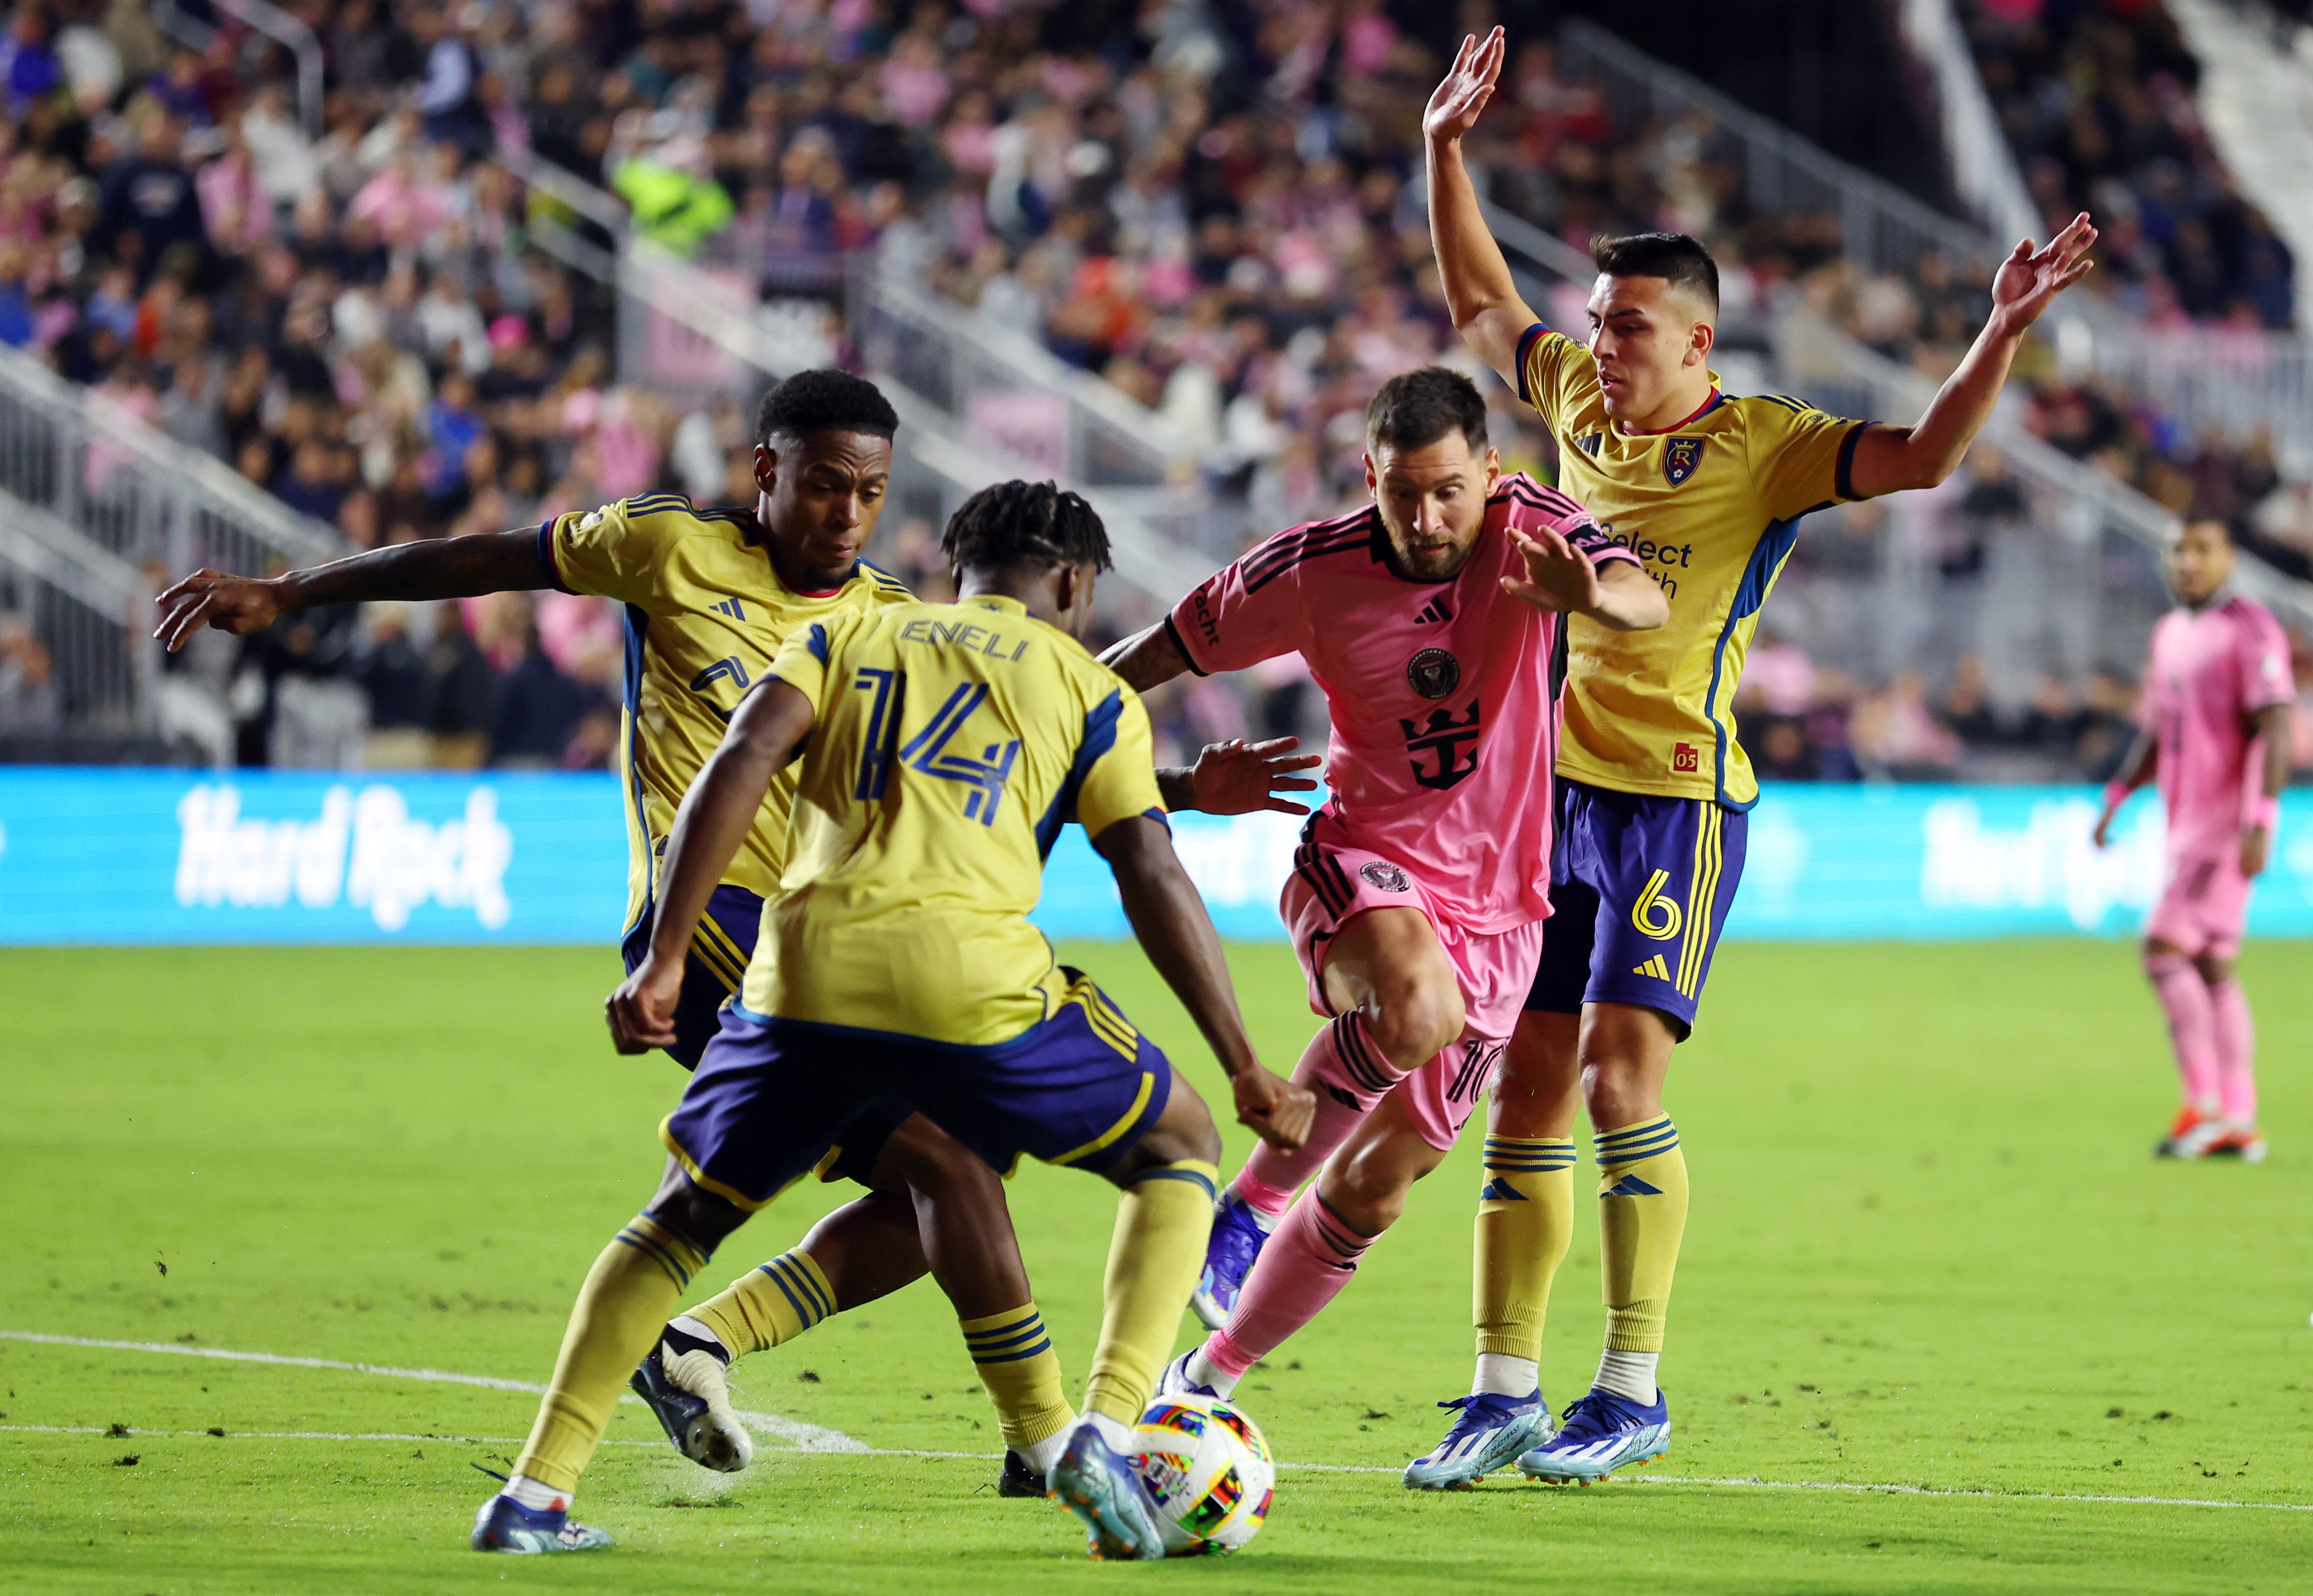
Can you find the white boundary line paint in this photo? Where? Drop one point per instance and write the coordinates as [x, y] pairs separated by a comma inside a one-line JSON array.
[[803, 1437], [812, 1438]]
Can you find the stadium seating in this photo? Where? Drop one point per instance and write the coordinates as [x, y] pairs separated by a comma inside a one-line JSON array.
[[1210, 208]]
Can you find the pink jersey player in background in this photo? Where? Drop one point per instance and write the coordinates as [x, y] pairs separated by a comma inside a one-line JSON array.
[[1431, 619], [2216, 691]]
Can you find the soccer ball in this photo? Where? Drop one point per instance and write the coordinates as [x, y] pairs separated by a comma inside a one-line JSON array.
[[1208, 1467]]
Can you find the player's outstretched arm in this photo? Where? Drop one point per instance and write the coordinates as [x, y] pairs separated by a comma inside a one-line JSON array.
[[430, 568], [1170, 920], [2135, 770], [714, 820], [1480, 293], [1559, 576], [1891, 458], [1237, 777]]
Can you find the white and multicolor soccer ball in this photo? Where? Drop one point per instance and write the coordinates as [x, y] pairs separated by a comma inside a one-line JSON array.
[[1211, 1472]]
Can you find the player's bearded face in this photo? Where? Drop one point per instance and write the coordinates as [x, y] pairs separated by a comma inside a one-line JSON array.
[[1432, 501], [1648, 343], [820, 497]]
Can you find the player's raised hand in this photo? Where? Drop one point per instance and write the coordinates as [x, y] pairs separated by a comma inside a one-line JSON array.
[[641, 1011], [1453, 109], [2029, 279], [1237, 777], [1558, 575], [1279, 1111], [236, 604]]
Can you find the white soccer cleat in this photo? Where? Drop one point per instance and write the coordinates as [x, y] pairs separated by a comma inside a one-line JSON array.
[[681, 1381]]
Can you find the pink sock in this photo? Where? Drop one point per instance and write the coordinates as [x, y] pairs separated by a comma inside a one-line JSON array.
[[2236, 1050], [1349, 1075], [2185, 996], [1303, 1268]]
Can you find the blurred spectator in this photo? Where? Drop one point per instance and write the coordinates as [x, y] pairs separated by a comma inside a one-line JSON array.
[[29, 698]]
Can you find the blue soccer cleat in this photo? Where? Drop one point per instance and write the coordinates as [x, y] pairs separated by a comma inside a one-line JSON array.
[[1602, 1433], [1229, 1253], [505, 1525], [1104, 1490], [1489, 1431]]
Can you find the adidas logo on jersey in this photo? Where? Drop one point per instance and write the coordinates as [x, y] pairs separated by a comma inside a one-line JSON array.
[[1654, 967], [729, 607], [1434, 612]]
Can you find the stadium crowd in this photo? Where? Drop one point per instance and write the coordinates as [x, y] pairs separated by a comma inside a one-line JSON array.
[[1205, 204]]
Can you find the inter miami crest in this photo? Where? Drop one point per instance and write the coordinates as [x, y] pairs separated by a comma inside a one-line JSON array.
[[1383, 875], [1680, 457], [1433, 673]]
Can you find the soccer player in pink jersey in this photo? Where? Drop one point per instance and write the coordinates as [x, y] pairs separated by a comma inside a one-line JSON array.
[[2217, 690], [1432, 620]]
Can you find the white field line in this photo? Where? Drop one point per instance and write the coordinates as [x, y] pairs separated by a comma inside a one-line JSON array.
[[803, 1437], [812, 1438]]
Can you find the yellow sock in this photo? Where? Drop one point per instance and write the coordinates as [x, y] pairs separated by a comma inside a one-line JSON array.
[[1021, 1372], [1525, 1222], [1153, 1258], [1642, 1215], [769, 1304], [621, 1309]]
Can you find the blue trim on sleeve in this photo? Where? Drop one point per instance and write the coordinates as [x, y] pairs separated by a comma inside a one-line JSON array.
[[1099, 737], [818, 643], [1526, 344], [546, 566], [1843, 480]]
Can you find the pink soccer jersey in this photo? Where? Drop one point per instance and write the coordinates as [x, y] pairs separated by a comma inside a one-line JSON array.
[[1444, 695], [2209, 671]]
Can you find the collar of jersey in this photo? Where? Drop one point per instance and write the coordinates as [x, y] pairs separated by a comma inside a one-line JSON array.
[[997, 602], [1716, 399]]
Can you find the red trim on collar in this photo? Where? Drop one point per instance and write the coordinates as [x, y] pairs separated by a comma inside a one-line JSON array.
[[1656, 432], [808, 592]]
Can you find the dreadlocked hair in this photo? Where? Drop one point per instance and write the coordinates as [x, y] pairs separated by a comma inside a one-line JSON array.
[[1025, 523]]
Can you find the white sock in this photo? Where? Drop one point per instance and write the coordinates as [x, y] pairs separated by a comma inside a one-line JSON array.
[[1627, 1374], [1506, 1376], [1044, 1456], [1112, 1430], [1265, 1222], [692, 1327], [536, 1496], [1202, 1371]]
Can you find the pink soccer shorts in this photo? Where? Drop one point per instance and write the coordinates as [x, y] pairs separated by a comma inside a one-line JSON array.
[[1331, 886], [2204, 906]]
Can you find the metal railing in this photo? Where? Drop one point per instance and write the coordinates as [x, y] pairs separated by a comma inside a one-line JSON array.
[[96, 509], [290, 32], [674, 311]]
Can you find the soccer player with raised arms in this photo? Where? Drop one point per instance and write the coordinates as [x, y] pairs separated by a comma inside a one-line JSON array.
[[943, 748], [710, 597], [1430, 619], [2216, 737], [1707, 489]]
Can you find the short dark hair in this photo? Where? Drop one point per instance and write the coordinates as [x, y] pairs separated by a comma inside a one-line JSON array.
[[1673, 257], [824, 400], [1020, 523], [1415, 408]]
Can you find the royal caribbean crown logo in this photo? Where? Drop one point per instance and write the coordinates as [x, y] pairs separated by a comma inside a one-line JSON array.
[[1680, 457]]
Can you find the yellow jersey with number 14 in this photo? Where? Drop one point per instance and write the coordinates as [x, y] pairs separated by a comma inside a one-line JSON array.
[[952, 742], [1711, 508], [706, 615]]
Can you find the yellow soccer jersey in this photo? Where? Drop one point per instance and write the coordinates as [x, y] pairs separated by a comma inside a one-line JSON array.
[[1711, 506], [706, 615], [952, 742]]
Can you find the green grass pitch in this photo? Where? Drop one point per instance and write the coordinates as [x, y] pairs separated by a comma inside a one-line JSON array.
[[1928, 1251]]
